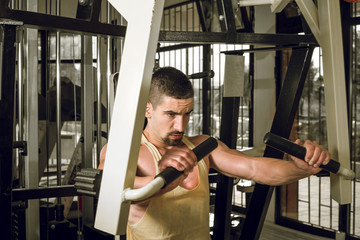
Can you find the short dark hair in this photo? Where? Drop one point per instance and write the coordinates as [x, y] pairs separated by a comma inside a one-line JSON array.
[[171, 82]]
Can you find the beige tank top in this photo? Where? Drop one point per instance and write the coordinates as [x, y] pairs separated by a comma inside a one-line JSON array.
[[179, 214]]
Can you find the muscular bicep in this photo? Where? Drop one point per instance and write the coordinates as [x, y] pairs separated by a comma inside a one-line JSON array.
[[102, 157], [262, 170]]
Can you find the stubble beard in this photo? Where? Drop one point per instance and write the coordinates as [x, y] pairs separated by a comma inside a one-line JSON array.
[[172, 142]]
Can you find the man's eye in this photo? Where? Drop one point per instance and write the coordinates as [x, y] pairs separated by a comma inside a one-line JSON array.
[[171, 114]]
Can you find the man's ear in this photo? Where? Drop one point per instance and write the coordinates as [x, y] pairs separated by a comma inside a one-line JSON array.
[[148, 110]]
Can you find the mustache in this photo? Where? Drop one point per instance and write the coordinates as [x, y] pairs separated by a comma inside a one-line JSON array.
[[175, 132]]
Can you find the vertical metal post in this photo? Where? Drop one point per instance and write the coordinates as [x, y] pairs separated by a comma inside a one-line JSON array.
[[222, 18], [206, 91], [251, 105], [108, 69], [98, 99], [224, 189], [284, 116], [7, 129], [344, 209], [31, 128], [87, 119], [59, 212], [135, 76], [20, 104]]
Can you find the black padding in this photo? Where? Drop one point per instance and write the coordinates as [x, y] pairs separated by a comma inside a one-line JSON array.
[[203, 149], [285, 145]]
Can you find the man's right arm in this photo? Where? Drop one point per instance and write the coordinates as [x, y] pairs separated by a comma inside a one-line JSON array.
[[102, 157], [145, 174]]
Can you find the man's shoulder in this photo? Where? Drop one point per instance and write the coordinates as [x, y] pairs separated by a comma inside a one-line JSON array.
[[196, 140]]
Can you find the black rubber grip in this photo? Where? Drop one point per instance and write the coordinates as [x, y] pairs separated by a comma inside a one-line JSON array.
[[199, 75], [203, 149], [286, 146]]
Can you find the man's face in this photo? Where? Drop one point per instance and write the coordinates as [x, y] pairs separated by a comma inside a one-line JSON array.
[[169, 119]]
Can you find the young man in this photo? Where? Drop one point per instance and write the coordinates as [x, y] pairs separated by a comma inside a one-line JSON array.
[[181, 210]]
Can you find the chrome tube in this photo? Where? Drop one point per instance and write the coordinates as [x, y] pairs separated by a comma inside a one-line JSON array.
[[98, 97], [108, 71], [20, 104], [58, 102], [87, 119], [145, 192]]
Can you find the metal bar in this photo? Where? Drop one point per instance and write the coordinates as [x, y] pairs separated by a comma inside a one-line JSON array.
[[221, 13], [230, 17], [135, 75], [32, 128], [58, 23], [295, 224], [206, 91], [335, 95], [95, 11], [7, 129], [284, 116], [58, 110], [201, 15], [23, 194], [44, 21], [176, 3], [344, 210], [43, 62], [177, 47], [59, 212], [253, 50], [98, 100], [251, 104], [87, 115], [245, 18], [239, 38], [344, 218], [20, 99], [108, 69], [224, 189]]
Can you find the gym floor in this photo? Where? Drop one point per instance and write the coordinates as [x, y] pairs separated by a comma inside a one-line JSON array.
[[272, 231]]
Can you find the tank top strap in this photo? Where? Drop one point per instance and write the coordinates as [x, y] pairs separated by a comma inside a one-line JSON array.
[[153, 150], [187, 142], [156, 154]]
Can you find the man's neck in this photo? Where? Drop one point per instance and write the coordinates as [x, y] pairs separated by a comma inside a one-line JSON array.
[[159, 143]]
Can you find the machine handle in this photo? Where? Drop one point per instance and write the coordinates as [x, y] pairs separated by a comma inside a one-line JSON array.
[[203, 149], [285, 145]]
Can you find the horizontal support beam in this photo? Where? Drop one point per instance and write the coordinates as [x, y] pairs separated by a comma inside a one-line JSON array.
[[52, 22], [238, 38], [22, 194], [58, 23]]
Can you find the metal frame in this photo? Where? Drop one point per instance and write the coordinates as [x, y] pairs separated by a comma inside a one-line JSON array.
[[50, 22], [7, 126], [315, 18], [284, 116], [224, 188], [325, 23], [238, 38], [32, 130], [135, 76], [43, 21]]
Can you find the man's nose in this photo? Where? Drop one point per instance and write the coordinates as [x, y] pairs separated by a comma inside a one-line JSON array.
[[179, 124]]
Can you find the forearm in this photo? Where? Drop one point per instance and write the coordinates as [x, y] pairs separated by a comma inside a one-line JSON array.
[[277, 172], [143, 181], [269, 171]]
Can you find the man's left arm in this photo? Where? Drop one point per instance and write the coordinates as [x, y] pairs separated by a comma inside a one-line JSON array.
[[269, 171]]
